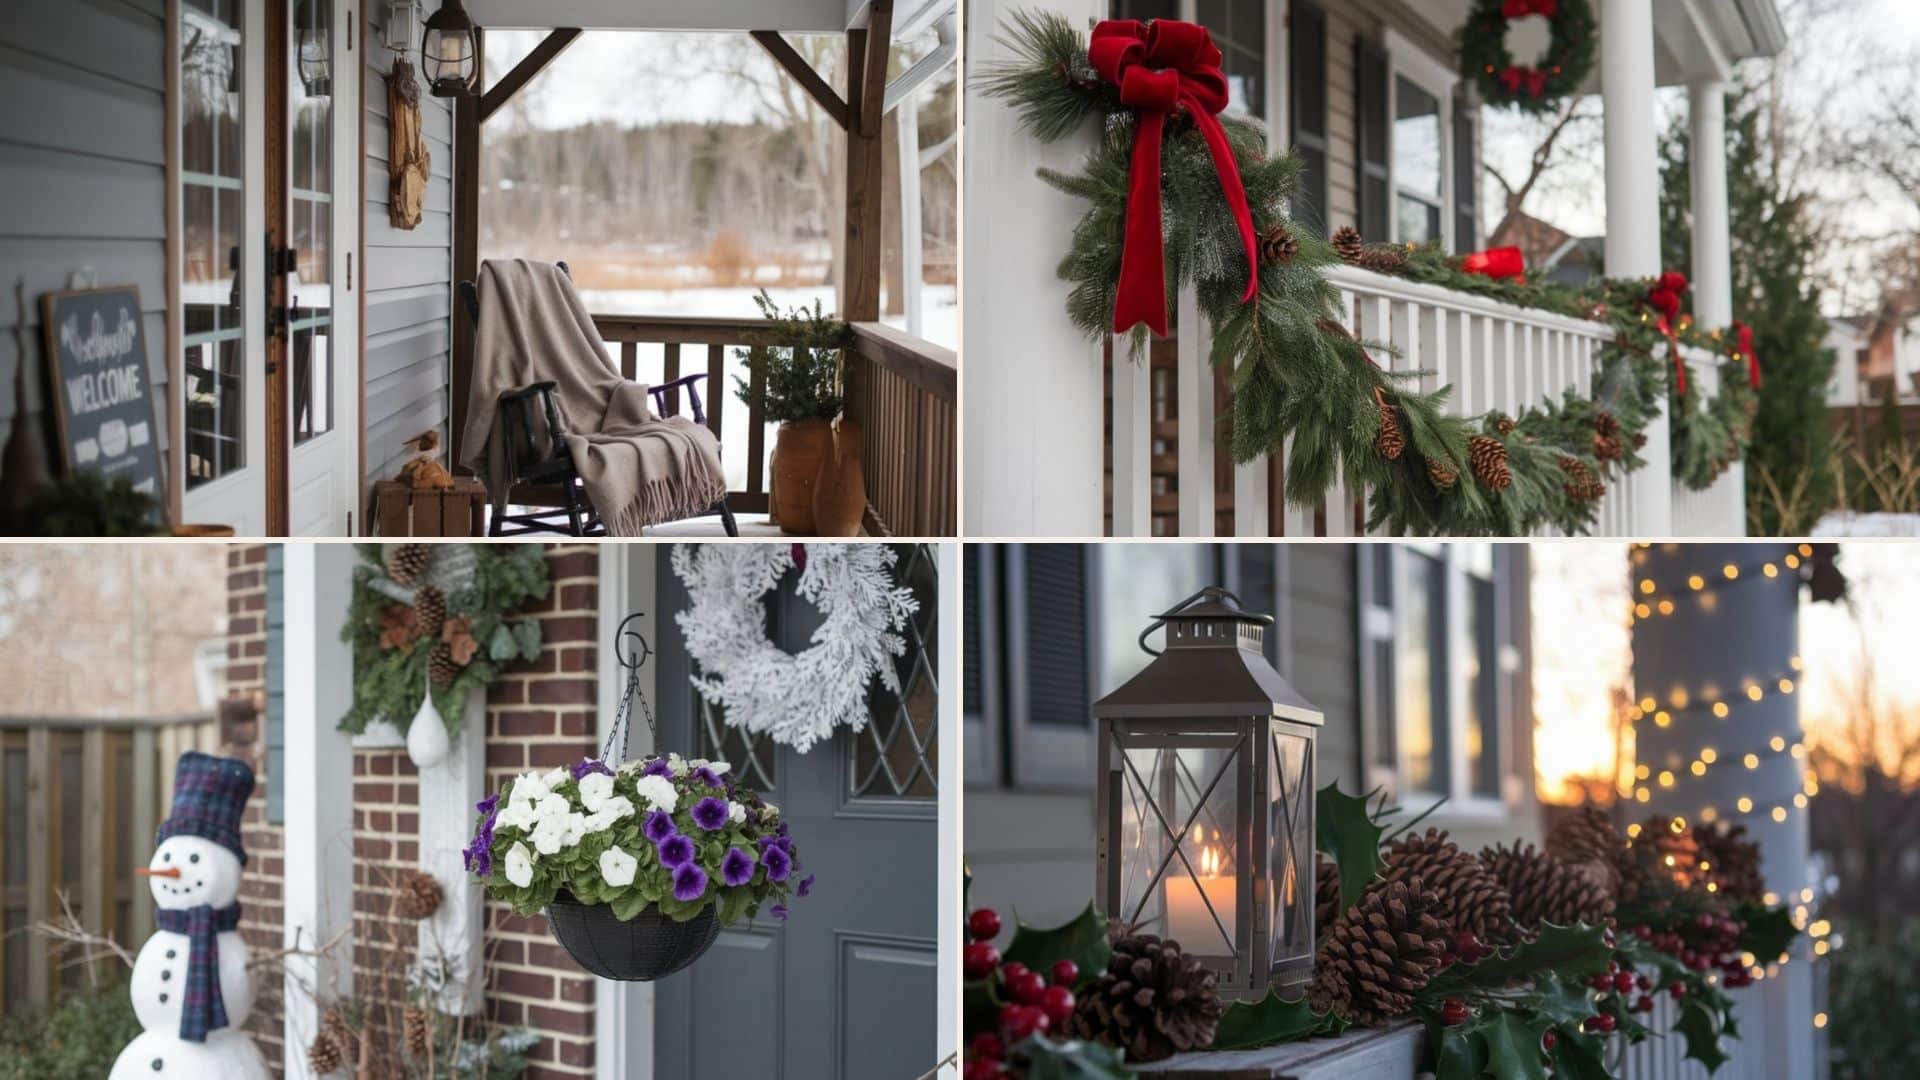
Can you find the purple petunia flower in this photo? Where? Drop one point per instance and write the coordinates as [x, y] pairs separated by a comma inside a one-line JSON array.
[[487, 805], [769, 843], [805, 886], [710, 813], [737, 867], [479, 854], [709, 777], [689, 882], [778, 863], [675, 851], [780, 911], [589, 765], [657, 767], [659, 827]]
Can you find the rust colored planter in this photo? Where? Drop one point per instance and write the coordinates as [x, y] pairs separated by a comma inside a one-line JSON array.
[[798, 450], [840, 490]]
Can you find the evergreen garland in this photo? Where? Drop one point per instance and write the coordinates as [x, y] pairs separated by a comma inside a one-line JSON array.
[[1295, 370]]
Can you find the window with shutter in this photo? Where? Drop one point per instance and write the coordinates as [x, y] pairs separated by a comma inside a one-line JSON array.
[[1307, 119], [983, 710], [1372, 140], [1048, 665], [1466, 173]]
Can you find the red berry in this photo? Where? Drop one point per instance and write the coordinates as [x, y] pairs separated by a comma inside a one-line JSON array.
[[984, 924], [1453, 1012], [1705, 922], [1065, 973], [1678, 990], [983, 1069], [1012, 970], [1643, 983], [980, 959], [1549, 1040], [1057, 1001], [1605, 1022], [1601, 982], [1645, 1004], [1623, 981], [1643, 932], [1027, 988], [986, 1045], [1019, 1021]]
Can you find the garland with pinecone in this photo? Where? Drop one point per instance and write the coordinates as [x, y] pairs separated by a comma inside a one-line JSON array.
[[442, 616], [1300, 381]]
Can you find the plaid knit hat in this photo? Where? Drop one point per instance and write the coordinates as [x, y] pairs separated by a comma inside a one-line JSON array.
[[209, 795]]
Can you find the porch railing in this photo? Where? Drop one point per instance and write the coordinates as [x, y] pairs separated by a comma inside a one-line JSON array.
[[1168, 478], [79, 801], [900, 388]]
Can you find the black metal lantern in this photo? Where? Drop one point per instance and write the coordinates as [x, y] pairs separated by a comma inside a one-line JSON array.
[[312, 25], [1205, 800], [447, 55]]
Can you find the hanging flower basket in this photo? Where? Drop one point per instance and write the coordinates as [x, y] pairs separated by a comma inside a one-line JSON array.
[[646, 947]]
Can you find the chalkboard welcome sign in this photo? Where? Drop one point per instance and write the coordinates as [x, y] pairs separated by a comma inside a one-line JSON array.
[[97, 361]]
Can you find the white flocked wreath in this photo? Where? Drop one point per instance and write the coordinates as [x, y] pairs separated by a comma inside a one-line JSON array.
[[793, 699]]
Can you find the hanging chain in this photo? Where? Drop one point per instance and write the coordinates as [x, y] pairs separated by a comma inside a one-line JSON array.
[[632, 661]]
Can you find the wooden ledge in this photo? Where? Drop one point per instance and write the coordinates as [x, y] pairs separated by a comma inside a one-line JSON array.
[[1391, 1053]]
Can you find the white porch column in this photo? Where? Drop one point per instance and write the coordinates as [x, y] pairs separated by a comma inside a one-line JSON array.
[[318, 845], [1032, 384], [1633, 210], [1712, 246]]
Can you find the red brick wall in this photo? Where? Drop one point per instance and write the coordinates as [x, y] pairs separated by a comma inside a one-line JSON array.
[[244, 736]]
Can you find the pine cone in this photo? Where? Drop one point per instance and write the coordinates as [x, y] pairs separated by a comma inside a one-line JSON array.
[[1488, 456], [1383, 260], [334, 1026], [441, 669], [405, 562], [1277, 245], [1733, 862], [1153, 1001], [1607, 448], [1503, 424], [1326, 895], [1348, 245], [1391, 442], [1659, 861], [1582, 485], [429, 611], [324, 1055], [1470, 900], [1605, 423], [1380, 953], [1587, 837], [418, 896], [1442, 477], [419, 1030], [1544, 889]]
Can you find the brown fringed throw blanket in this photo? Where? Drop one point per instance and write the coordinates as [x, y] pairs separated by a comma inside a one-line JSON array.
[[639, 469]]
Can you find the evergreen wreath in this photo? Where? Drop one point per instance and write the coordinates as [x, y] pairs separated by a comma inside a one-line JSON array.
[[421, 610], [1485, 61], [1295, 370], [795, 700]]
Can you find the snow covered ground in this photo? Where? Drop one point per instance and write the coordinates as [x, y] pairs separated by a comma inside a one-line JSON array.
[[1841, 525], [940, 310]]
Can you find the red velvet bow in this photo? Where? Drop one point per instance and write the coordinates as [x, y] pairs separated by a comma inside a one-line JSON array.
[[1514, 9], [1533, 79], [1743, 335], [1162, 67], [1501, 262], [1664, 298]]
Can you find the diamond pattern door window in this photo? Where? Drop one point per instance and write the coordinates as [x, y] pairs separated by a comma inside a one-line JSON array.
[[752, 755], [897, 755]]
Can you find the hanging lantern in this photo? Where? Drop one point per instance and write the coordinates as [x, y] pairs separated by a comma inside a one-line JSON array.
[[447, 55], [403, 26], [313, 21], [1205, 800]]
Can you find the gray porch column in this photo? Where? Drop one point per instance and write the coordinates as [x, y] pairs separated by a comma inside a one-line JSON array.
[[1721, 639]]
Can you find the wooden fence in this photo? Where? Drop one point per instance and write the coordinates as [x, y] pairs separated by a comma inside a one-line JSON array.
[[79, 801]]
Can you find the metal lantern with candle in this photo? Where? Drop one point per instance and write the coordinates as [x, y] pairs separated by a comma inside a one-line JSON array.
[[1205, 799], [447, 54]]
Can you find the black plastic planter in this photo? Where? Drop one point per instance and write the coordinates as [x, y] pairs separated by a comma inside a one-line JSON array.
[[649, 946]]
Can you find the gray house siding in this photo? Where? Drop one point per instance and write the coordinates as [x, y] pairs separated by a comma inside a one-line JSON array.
[[1322, 663], [82, 172], [408, 278]]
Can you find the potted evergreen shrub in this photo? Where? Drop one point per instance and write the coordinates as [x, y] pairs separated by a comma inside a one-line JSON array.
[[797, 365], [637, 867]]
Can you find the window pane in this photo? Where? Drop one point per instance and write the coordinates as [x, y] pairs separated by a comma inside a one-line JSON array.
[[1419, 221], [1481, 671], [896, 756], [1416, 140], [1137, 582], [1239, 28], [211, 199], [1422, 680]]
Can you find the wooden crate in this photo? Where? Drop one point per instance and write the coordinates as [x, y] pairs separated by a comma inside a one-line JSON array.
[[400, 510]]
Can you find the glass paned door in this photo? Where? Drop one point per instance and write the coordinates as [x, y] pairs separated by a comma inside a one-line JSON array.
[[310, 220]]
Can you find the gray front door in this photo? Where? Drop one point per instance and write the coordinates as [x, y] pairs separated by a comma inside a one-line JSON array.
[[846, 987]]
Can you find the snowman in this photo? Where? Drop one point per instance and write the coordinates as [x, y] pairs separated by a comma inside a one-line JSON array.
[[190, 987]]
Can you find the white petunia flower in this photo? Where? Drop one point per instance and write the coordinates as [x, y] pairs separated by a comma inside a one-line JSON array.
[[610, 811], [720, 768], [553, 806], [658, 792], [556, 777], [595, 790], [530, 788], [736, 813], [573, 829], [519, 865], [677, 764], [770, 809], [518, 815], [617, 867], [550, 835]]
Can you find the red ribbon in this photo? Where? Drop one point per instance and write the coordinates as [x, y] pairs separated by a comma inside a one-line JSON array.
[[1162, 67], [1664, 298], [1515, 77], [1501, 262], [1514, 9], [1744, 336]]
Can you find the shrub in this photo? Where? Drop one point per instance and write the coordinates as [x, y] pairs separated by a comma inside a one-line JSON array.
[[800, 370], [81, 1034], [1874, 994]]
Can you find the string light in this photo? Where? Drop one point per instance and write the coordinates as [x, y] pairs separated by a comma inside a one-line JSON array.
[[1654, 603]]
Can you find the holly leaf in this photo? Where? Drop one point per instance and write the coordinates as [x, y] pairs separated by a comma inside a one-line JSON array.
[[1459, 1053], [1578, 1056], [1347, 833], [1560, 1000], [1269, 1022], [1575, 952], [1071, 1060], [1513, 1044], [1083, 941], [1697, 1026], [1769, 931]]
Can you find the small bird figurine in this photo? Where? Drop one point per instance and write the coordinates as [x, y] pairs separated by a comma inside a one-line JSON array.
[[424, 443], [424, 471]]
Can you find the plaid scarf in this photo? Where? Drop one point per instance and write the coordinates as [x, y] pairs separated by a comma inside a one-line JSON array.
[[202, 1009]]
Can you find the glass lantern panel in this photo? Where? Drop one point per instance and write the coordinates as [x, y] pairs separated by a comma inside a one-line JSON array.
[[1290, 840], [1179, 848]]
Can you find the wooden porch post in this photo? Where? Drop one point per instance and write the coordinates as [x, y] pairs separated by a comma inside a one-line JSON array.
[[466, 246], [868, 48]]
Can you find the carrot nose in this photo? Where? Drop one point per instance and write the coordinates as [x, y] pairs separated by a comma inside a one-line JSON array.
[[171, 871]]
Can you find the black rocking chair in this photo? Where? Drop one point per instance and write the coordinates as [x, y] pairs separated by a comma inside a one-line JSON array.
[[522, 410]]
